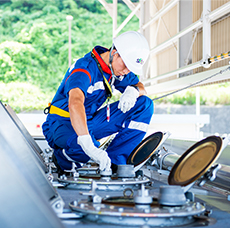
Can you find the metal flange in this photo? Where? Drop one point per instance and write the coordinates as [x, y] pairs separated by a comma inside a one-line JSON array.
[[138, 216]]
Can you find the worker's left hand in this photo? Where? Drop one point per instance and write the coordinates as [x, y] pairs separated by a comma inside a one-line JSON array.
[[128, 99]]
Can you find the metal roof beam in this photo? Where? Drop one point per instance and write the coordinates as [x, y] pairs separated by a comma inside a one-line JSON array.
[[161, 12], [183, 82], [215, 14], [127, 19], [132, 6], [174, 72], [108, 7]]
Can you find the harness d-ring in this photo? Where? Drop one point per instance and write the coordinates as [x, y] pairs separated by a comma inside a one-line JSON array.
[[47, 110]]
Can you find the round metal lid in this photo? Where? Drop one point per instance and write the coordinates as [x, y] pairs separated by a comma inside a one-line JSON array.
[[196, 161], [145, 149], [129, 215]]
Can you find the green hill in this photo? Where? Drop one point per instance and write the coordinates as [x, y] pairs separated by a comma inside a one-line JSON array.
[[34, 44]]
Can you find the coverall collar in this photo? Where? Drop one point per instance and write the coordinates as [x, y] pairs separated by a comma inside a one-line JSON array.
[[97, 51]]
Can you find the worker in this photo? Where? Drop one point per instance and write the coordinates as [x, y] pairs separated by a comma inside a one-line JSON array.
[[81, 113]]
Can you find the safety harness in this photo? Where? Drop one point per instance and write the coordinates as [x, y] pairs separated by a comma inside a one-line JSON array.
[[108, 87], [51, 109]]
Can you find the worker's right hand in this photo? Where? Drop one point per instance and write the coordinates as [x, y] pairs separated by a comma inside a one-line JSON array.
[[98, 155]]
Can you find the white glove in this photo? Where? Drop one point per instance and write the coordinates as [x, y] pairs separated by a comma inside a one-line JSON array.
[[128, 99], [98, 155]]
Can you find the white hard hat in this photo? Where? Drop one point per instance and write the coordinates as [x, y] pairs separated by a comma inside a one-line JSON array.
[[133, 49]]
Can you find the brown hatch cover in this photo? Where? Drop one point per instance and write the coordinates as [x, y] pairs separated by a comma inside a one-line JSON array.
[[196, 161]]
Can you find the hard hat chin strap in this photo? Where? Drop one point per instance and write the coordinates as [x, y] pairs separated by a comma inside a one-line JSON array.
[[110, 64], [110, 55]]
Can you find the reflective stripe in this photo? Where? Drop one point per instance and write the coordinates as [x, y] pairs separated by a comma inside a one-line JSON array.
[[58, 111], [71, 67], [67, 157], [138, 126], [97, 86]]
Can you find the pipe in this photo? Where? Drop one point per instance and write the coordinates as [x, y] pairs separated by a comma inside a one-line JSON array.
[[206, 33], [219, 57], [189, 67], [222, 10]]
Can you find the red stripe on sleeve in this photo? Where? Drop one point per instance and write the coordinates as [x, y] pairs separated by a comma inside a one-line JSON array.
[[79, 70]]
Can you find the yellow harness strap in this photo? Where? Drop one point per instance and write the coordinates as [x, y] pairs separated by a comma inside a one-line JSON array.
[[58, 111]]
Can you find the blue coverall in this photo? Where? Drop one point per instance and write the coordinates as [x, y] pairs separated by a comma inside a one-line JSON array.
[[131, 126]]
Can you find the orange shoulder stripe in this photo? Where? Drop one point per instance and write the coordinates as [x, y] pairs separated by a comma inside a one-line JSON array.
[[79, 70]]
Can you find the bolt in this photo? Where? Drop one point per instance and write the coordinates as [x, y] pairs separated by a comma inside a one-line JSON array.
[[146, 210], [121, 209], [171, 210], [75, 202], [58, 205], [198, 205], [98, 208]]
